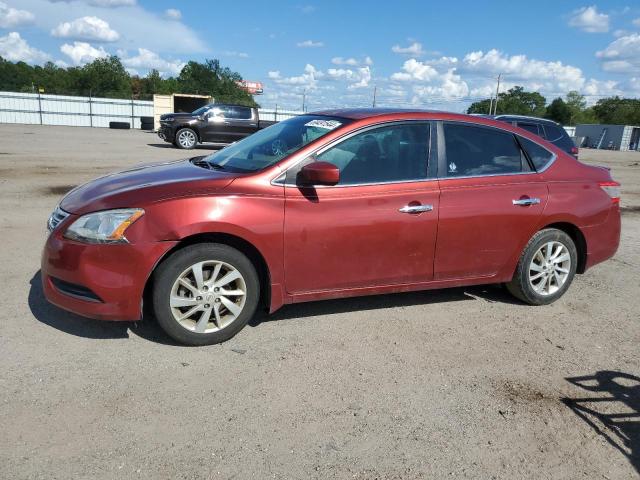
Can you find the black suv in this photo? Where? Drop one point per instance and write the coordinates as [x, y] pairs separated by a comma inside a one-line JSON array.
[[215, 123], [547, 129]]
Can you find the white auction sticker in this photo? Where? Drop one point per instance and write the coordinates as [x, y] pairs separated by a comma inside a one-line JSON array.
[[326, 124]]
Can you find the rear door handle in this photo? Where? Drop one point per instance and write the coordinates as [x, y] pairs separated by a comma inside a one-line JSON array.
[[415, 208], [524, 202]]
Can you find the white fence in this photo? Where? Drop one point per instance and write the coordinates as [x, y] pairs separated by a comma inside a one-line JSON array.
[[43, 109]]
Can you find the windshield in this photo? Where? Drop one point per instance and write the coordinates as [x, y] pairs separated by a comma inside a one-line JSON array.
[[201, 110], [268, 146]]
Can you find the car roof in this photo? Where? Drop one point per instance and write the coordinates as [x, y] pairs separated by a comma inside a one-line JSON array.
[[525, 117], [361, 113]]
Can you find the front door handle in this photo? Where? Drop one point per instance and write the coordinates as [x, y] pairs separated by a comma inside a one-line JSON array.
[[415, 208], [524, 202]]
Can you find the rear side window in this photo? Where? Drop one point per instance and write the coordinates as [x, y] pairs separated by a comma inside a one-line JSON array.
[[540, 157], [554, 133], [241, 113], [473, 151], [531, 127]]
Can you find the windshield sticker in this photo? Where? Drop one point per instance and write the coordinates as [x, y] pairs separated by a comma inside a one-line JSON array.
[[326, 124]]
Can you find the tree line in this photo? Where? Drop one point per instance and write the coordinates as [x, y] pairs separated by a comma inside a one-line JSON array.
[[570, 110], [107, 77]]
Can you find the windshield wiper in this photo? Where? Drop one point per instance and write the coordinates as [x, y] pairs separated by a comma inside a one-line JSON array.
[[201, 162]]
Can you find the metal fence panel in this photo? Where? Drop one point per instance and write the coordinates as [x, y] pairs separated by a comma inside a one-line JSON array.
[[45, 109]]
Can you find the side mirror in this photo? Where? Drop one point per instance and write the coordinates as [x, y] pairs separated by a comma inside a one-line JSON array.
[[320, 173]]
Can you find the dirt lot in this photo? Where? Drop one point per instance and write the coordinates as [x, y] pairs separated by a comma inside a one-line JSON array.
[[461, 383]]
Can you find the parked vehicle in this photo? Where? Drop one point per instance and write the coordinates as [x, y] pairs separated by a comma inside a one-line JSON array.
[[547, 129], [213, 123], [331, 204]]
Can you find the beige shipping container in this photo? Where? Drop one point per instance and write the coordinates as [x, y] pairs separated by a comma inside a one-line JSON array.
[[177, 103]]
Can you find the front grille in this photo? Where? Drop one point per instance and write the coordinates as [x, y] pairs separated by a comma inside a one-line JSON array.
[[75, 290], [56, 218]]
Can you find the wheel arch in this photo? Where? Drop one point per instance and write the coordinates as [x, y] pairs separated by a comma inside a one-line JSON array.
[[190, 127], [578, 239], [239, 243]]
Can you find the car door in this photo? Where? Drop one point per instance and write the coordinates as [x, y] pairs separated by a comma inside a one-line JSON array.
[[377, 226], [490, 201], [241, 122], [216, 128]]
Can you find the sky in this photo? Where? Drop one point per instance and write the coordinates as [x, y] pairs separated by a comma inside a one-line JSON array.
[[410, 53]]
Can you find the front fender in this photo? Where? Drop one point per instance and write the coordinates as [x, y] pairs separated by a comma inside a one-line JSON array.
[[256, 219]]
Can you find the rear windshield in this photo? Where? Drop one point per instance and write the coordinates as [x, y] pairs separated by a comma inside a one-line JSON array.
[[268, 146]]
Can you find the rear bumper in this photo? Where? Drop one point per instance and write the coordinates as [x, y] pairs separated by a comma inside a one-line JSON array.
[[603, 239], [104, 282]]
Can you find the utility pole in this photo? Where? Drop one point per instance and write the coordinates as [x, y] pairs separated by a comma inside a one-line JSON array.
[[490, 104], [375, 90], [495, 108]]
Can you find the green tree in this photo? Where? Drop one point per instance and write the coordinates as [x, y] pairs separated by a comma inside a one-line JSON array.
[[619, 111], [577, 106], [559, 111], [105, 77], [515, 101], [480, 107], [210, 78]]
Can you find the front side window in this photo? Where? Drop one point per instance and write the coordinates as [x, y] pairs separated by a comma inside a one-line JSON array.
[[474, 151], [268, 146], [392, 153]]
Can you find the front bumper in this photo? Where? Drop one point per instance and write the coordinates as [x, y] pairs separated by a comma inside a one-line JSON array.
[[166, 133], [115, 274]]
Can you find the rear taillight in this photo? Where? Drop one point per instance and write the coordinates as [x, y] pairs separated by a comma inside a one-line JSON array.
[[612, 189], [574, 151]]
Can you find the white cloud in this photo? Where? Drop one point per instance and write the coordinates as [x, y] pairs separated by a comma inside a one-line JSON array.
[[82, 52], [352, 62], [137, 25], [103, 3], [413, 70], [12, 17], [414, 50], [358, 78], [16, 49], [310, 44], [233, 53], [148, 60], [636, 22], [86, 28], [173, 14], [344, 61], [307, 9], [555, 75], [308, 79], [622, 55], [588, 19]]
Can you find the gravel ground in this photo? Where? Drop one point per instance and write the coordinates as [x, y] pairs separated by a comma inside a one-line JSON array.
[[459, 383]]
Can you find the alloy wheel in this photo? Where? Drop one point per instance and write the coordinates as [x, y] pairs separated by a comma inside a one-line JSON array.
[[549, 268], [187, 138], [208, 296]]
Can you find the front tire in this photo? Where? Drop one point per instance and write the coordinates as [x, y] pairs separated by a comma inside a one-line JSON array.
[[546, 268], [186, 139], [205, 294]]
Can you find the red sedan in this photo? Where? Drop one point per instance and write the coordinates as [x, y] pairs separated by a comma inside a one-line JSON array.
[[325, 205]]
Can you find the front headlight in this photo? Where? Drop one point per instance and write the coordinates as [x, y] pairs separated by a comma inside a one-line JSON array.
[[103, 227]]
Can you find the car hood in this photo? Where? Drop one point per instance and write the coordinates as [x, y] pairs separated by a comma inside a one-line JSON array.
[[145, 184], [171, 116]]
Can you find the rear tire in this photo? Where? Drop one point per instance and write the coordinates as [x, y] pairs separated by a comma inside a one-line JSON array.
[[186, 139], [205, 293], [546, 268]]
